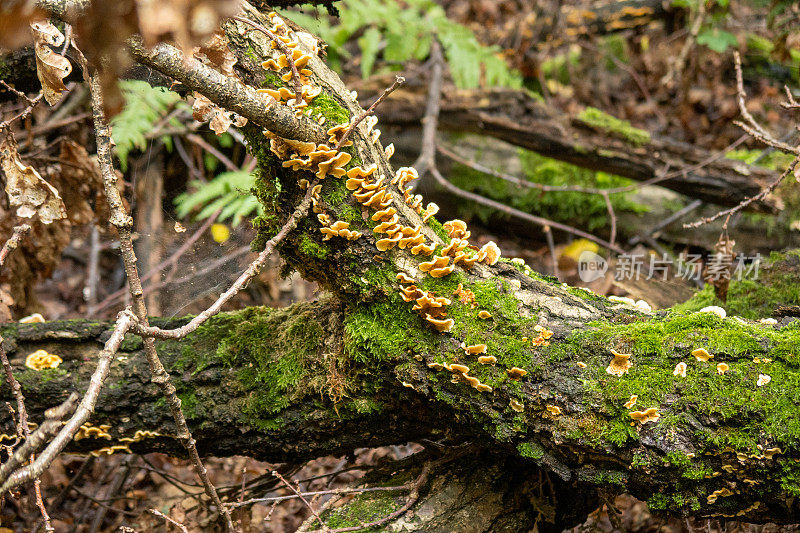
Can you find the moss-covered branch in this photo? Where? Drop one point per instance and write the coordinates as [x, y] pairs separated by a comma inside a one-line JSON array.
[[719, 443], [273, 384]]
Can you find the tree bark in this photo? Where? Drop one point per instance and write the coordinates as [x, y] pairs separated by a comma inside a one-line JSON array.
[[359, 368]]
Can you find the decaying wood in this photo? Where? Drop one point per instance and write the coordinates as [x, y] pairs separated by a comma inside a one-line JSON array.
[[519, 119]]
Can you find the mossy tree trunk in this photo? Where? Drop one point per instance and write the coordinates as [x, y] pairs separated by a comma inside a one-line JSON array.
[[355, 370]]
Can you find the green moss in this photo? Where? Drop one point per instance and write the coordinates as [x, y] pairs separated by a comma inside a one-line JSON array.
[[387, 331], [190, 405], [602, 477], [272, 80], [327, 106], [312, 248], [618, 432], [745, 412], [585, 210], [621, 129], [531, 450], [364, 508], [272, 350]]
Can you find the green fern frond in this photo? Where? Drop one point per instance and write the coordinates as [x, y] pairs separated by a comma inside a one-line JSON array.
[[228, 192], [384, 28], [144, 107]]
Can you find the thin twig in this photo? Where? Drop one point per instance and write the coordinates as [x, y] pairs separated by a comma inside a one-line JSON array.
[[168, 519], [398, 81], [325, 529], [123, 222], [551, 245], [92, 272], [633, 241], [22, 428], [12, 243], [427, 156], [298, 83], [503, 208], [410, 501], [767, 190], [340, 491], [199, 141], [752, 127], [25, 112]]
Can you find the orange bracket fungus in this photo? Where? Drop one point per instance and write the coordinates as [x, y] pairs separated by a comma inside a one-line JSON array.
[[712, 498], [403, 278], [553, 410], [487, 359], [460, 369], [456, 229], [40, 359], [648, 415], [484, 315], [630, 403], [474, 349], [680, 370], [516, 405], [702, 355], [438, 262], [441, 325], [620, 365], [489, 254], [763, 379], [722, 368], [516, 373]]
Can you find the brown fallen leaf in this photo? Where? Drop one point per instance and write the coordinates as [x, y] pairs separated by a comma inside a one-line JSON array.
[[26, 189], [51, 68]]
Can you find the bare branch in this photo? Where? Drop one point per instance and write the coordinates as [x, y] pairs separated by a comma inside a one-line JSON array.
[[768, 189], [123, 222], [427, 156], [12, 243], [752, 127]]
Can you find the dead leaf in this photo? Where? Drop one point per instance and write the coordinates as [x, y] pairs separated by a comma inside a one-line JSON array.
[[26, 189], [215, 52], [81, 184], [220, 120], [51, 68]]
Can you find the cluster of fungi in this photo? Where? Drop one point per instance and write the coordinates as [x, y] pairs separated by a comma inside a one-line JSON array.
[[373, 191]]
